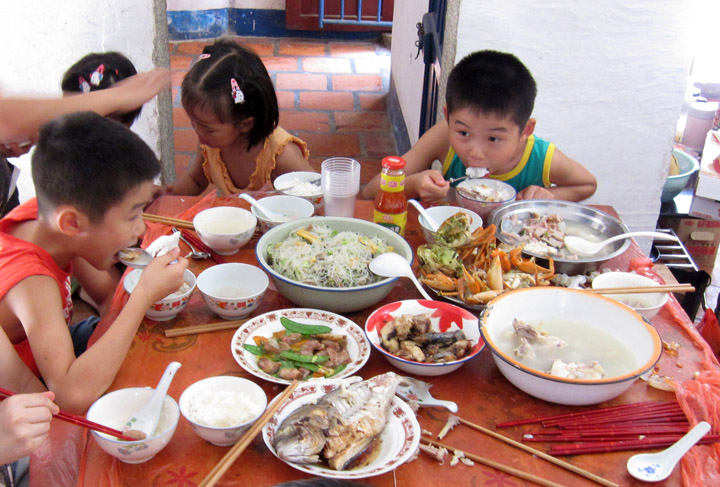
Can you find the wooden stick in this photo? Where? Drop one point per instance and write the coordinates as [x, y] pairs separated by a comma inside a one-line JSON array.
[[545, 456], [226, 462], [197, 329], [176, 222], [498, 466], [661, 288]]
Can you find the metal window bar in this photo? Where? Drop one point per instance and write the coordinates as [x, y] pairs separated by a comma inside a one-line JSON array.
[[358, 20]]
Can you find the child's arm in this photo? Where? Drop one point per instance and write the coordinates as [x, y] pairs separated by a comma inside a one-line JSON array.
[[289, 160], [77, 382], [14, 374], [24, 424], [572, 182], [99, 285], [193, 182], [420, 181]]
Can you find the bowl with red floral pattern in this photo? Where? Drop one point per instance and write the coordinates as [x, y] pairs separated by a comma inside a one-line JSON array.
[[424, 337], [172, 304]]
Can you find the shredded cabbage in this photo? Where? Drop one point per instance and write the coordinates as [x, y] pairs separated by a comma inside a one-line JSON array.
[[333, 259]]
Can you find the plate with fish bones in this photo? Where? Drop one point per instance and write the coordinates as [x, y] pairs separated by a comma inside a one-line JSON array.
[[355, 346], [395, 445]]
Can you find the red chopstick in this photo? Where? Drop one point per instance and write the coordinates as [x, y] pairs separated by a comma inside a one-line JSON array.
[[201, 245], [79, 420]]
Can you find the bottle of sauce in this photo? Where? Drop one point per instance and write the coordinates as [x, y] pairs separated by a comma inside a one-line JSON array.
[[391, 202]]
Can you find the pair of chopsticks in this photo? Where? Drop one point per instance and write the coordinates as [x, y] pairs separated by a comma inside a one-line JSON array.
[[661, 288], [225, 462], [78, 420], [197, 329], [533, 451], [166, 220], [201, 245]]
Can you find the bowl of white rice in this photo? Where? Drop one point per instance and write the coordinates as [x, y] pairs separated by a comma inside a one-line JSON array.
[[220, 409], [305, 184]]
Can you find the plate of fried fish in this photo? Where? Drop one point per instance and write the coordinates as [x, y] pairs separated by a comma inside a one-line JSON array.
[[301, 344], [344, 428]]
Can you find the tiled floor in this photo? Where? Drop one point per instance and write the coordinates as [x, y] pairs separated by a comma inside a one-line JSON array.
[[332, 94]]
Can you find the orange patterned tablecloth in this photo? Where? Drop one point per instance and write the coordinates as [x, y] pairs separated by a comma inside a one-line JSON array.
[[484, 396]]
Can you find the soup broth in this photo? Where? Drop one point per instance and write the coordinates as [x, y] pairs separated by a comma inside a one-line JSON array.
[[584, 344], [225, 227]]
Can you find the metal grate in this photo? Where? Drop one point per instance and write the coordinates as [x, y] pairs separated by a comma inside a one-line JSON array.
[[673, 255], [354, 19]]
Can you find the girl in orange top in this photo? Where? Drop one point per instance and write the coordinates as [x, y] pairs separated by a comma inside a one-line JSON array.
[[231, 102]]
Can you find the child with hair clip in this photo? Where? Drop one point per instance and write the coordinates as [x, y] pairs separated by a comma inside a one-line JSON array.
[[231, 102]]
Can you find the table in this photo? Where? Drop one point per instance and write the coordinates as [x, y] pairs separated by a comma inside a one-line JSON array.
[[484, 396]]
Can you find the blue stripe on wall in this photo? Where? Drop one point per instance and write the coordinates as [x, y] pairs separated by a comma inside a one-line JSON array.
[[210, 24]]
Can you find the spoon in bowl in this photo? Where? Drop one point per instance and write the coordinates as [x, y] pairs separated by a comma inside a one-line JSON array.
[[434, 226], [654, 467], [143, 423], [585, 248], [269, 214], [391, 264]]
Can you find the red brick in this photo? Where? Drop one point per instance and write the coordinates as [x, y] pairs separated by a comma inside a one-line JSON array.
[[192, 47], [280, 63], [260, 47], [185, 140], [354, 49], [361, 122], [180, 119], [290, 47], [176, 77], [306, 121], [310, 100], [182, 162], [292, 81], [330, 145], [356, 82], [326, 65], [180, 62], [372, 102], [286, 100], [369, 167], [379, 145], [175, 98]]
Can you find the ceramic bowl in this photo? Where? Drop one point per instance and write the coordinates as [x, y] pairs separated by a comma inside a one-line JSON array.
[[220, 409], [442, 213], [595, 328], [168, 307], [225, 228], [647, 304], [115, 408], [479, 205], [291, 180], [337, 300], [290, 207], [232, 290], [445, 317], [674, 185]]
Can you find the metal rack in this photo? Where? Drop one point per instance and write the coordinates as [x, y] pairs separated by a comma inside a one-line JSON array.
[[673, 255]]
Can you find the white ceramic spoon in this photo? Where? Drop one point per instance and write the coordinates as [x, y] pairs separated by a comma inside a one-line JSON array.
[[135, 257], [654, 467], [585, 248], [145, 420], [417, 390], [434, 226], [391, 264], [269, 214]]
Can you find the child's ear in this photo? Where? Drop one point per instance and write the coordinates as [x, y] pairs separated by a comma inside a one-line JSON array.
[[71, 221], [529, 128], [247, 125]]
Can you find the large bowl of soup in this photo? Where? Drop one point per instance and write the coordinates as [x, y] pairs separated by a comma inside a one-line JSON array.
[[540, 226], [322, 262], [568, 346]]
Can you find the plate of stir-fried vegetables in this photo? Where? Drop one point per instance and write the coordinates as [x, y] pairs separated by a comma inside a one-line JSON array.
[[300, 344]]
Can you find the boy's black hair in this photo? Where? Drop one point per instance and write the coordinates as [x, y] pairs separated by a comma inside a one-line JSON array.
[[208, 87], [89, 161], [114, 66], [492, 82]]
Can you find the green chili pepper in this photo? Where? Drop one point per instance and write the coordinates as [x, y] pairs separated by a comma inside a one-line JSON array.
[[298, 357], [254, 349], [295, 327]]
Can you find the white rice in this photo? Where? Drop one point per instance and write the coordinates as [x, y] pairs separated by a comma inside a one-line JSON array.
[[221, 409], [299, 187]]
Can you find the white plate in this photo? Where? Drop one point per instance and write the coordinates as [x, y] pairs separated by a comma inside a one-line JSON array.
[[265, 325], [399, 439]]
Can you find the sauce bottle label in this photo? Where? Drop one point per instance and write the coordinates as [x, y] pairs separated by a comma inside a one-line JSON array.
[[392, 184], [392, 221]]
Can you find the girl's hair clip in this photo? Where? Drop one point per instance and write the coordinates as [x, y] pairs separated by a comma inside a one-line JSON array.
[[97, 75], [237, 94], [84, 85], [203, 56]]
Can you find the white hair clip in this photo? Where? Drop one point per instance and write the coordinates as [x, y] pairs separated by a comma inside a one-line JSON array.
[[203, 56], [237, 94], [84, 85], [97, 75]]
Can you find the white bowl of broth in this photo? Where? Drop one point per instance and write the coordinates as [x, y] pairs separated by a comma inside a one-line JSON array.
[[288, 208], [593, 327], [647, 304], [225, 228], [232, 290]]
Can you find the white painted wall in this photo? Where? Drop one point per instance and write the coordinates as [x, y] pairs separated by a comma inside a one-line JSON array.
[[189, 5], [610, 80]]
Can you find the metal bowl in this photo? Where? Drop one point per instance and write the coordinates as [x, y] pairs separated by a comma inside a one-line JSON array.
[[592, 220]]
